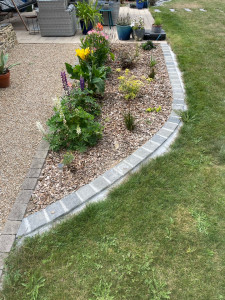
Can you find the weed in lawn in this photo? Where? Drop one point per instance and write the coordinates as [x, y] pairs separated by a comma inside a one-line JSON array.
[[33, 286], [102, 290], [201, 221], [157, 288]]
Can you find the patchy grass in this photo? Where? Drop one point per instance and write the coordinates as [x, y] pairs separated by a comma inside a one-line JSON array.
[[160, 235]]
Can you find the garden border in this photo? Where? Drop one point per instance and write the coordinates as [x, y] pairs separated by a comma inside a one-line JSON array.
[[18, 227]]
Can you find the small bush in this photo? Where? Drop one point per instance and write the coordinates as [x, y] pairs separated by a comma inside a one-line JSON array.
[[71, 127], [126, 60], [148, 45]]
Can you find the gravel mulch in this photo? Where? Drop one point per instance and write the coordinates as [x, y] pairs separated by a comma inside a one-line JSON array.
[[29, 99], [117, 141]]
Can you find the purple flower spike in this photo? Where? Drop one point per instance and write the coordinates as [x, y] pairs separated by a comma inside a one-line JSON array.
[[65, 83], [82, 83]]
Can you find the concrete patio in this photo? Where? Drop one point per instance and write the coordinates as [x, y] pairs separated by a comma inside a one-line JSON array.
[[24, 37]]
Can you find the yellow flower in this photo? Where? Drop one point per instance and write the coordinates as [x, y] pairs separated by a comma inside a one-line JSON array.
[[118, 70], [83, 53]]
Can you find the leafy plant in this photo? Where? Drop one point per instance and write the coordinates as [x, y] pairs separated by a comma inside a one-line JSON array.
[[84, 98], [153, 62], [156, 109], [138, 24], [129, 85], [3, 62], [129, 121], [158, 21], [126, 59], [148, 45], [89, 13], [124, 20], [72, 127], [68, 158], [93, 75], [98, 42]]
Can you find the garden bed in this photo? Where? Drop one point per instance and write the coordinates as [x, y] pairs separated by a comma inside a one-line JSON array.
[[117, 142]]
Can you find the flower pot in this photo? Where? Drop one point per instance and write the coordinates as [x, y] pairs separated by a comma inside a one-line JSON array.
[[156, 28], [145, 4], [124, 32], [83, 27], [139, 5], [5, 80], [139, 34]]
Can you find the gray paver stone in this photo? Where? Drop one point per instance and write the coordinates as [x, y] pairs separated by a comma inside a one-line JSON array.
[[37, 163], [133, 160], [24, 196], [141, 152], [165, 133], [6, 242], [178, 96], [17, 212], [177, 89], [71, 201], [55, 210], [34, 173], [170, 126], [180, 102], [174, 120], [123, 167], [158, 139], [29, 183], [24, 228], [112, 175], [178, 107], [85, 192], [3, 256], [36, 220], [41, 154], [100, 183], [11, 227], [151, 146], [44, 145]]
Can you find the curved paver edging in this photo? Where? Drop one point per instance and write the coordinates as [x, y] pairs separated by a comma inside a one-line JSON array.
[[19, 227]]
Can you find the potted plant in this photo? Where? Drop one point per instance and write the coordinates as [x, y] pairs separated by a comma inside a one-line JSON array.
[[139, 4], [138, 29], [5, 71], [157, 26], [88, 14], [123, 26]]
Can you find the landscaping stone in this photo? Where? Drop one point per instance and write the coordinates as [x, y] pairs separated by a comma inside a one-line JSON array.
[[34, 173], [112, 175], [37, 163], [6, 242], [24, 196], [71, 201], [157, 10], [141, 152], [17, 211], [202, 9], [29, 184], [55, 210], [187, 9], [100, 183], [85, 192], [7, 37], [11, 227], [172, 9]]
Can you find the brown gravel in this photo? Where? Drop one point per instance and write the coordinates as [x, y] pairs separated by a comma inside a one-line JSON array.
[[117, 141], [33, 84]]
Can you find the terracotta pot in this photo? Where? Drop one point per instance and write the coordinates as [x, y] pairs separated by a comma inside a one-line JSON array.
[[4, 80]]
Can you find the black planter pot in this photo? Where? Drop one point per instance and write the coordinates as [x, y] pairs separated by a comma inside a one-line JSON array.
[[83, 27]]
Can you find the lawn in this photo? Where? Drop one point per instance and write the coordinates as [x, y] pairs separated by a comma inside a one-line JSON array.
[[160, 235]]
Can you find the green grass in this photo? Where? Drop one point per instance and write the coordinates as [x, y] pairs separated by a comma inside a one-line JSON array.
[[160, 235]]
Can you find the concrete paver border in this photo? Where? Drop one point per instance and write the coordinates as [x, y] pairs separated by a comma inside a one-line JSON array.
[[18, 227]]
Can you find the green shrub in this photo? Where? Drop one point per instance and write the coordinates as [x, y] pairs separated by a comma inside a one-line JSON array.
[[71, 127]]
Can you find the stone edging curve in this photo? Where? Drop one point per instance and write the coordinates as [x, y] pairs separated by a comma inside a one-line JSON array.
[[18, 227]]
